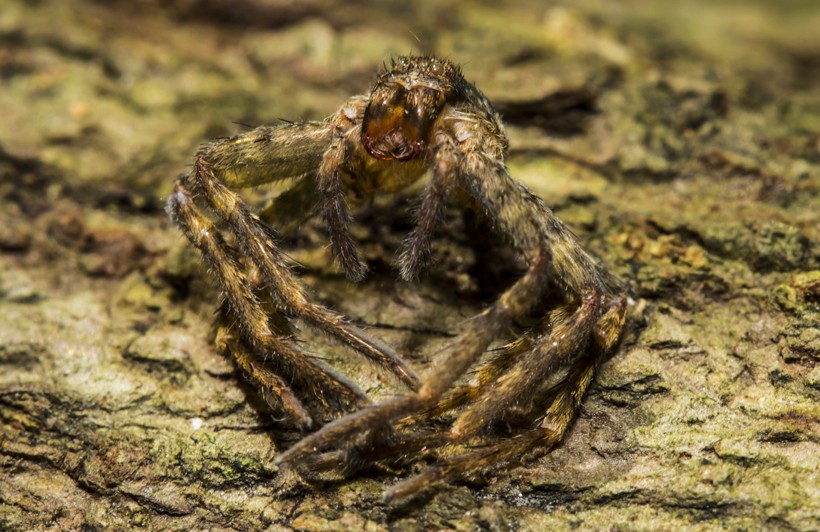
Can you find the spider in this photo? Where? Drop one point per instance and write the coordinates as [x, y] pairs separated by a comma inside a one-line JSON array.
[[421, 118]]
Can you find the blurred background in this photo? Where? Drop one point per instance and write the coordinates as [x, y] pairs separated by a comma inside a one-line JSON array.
[[679, 140]]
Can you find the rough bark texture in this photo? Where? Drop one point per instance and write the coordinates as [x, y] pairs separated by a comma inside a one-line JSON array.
[[681, 143]]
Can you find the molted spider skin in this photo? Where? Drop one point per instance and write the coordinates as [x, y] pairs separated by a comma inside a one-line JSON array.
[[421, 117]]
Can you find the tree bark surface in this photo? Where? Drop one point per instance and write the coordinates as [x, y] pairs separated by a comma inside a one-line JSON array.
[[681, 144]]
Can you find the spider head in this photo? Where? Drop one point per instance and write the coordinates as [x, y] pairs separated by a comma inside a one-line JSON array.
[[398, 121]]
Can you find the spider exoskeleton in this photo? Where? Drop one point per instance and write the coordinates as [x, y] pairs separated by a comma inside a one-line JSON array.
[[422, 118]]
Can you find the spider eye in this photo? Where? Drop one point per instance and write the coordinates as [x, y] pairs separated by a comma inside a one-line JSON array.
[[398, 122]]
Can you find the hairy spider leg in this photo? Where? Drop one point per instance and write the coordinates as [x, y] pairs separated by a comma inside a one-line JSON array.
[[336, 212], [547, 361], [553, 425], [569, 385], [410, 440], [525, 220], [545, 436], [553, 375], [490, 374], [217, 163], [458, 356], [581, 332], [274, 390], [484, 376], [317, 377], [415, 253]]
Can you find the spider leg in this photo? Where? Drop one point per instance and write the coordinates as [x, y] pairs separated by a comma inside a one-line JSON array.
[[336, 213], [390, 451], [257, 241], [546, 435], [250, 315], [568, 380], [568, 390], [581, 334], [550, 430], [457, 359], [549, 361], [483, 379], [274, 390], [416, 249]]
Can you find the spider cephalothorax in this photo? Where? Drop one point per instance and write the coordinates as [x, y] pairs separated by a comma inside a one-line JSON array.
[[421, 118]]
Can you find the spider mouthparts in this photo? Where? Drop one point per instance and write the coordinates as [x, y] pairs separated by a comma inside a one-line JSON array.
[[392, 146], [398, 122]]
